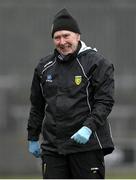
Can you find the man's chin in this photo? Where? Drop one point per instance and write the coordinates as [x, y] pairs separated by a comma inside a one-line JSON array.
[[65, 53]]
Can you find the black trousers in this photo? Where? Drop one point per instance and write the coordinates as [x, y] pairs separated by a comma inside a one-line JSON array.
[[81, 165]]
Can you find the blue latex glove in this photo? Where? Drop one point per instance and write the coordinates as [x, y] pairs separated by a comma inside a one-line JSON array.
[[82, 135], [34, 148]]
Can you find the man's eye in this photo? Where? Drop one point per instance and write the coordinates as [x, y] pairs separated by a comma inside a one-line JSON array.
[[66, 36], [56, 38]]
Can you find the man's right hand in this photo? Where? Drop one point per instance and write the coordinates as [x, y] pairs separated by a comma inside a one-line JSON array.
[[34, 148]]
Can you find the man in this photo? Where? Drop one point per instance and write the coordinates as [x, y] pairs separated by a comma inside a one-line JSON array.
[[71, 97]]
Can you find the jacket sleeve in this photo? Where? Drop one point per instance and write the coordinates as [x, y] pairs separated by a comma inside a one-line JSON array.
[[102, 101], [37, 109]]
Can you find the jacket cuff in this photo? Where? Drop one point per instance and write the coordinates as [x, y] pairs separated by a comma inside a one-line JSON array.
[[90, 124], [32, 137]]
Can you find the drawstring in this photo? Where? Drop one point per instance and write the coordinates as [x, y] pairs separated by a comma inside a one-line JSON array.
[[43, 169]]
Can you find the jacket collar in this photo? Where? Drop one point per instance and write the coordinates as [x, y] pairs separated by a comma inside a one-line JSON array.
[[84, 48]]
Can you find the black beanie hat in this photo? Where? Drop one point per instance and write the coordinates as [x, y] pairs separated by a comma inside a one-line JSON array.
[[64, 21]]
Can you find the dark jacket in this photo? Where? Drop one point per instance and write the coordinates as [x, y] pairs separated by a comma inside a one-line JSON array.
[[69, 94]]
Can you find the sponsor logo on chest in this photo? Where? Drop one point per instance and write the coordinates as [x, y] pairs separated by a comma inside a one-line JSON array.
[[49, 78]]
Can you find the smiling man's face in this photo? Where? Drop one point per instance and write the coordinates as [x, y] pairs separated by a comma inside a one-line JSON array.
[[66, 42]]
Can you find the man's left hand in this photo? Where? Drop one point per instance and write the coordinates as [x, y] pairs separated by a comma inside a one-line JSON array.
[[82, 135]]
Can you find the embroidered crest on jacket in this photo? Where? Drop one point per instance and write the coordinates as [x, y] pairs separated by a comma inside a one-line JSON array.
[[78, 80]]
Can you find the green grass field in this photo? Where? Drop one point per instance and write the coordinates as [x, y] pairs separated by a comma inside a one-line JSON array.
[[111, 174], [121, 174], [126, 175]]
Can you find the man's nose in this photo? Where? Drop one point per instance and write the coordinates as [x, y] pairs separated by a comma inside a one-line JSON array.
[[62, 41]]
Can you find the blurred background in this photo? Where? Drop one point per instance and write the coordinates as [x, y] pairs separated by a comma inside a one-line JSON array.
[[25, 25]]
